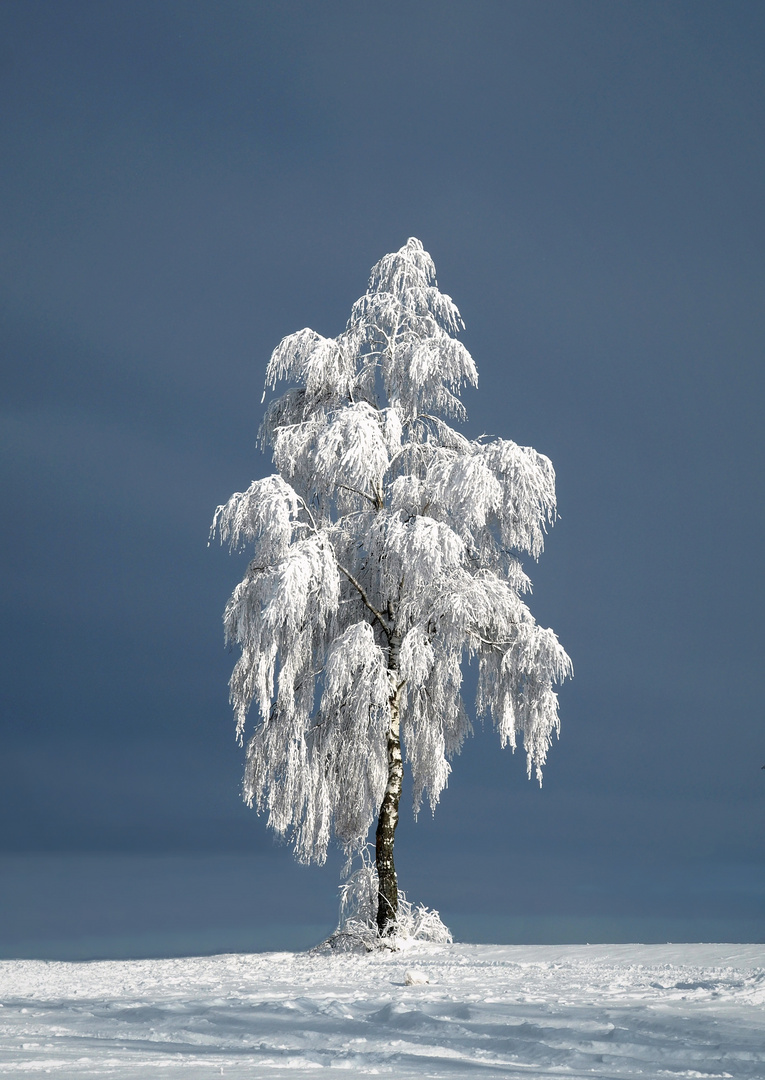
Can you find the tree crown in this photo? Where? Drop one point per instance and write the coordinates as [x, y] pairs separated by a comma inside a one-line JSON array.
[[386, 552]]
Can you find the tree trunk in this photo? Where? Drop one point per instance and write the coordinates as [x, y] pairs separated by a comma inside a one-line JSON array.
[[387, 895]]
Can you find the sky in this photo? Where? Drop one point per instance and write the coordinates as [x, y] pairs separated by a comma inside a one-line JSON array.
[[183, 184]]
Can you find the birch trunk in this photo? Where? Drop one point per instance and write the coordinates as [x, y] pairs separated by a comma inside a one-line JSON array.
[[387, 895]]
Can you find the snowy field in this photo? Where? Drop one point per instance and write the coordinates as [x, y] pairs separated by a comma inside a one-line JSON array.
[[485, 1011]]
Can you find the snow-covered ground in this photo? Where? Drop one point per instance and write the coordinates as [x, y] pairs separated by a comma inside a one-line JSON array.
[[484, 1011]]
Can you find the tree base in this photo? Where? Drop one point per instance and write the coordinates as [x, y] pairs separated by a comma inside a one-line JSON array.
[[357, 929]]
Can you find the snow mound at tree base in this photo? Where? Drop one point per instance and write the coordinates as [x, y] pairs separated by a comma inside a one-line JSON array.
[[412, 927], [357, 930]]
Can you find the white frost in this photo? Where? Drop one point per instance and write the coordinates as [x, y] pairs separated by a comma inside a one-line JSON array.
[[383, 526]]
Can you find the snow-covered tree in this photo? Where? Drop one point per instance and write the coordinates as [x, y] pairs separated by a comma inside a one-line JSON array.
[[386, 554]]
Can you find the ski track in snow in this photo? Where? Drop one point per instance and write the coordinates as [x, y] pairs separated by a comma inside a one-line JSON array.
[[487, 1011]]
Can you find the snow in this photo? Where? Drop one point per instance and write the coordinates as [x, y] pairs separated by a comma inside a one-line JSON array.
[[430, 1011]]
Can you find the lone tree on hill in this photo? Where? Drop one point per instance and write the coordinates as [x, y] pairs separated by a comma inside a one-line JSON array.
[[386, 553]]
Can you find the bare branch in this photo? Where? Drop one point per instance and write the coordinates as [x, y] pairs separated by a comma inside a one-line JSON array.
[[361, 494], [365, 599]]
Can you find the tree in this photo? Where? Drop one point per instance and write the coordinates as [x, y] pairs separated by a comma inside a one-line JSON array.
[[386, 553]]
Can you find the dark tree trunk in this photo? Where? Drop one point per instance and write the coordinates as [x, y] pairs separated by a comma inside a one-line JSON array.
[[387, 895]]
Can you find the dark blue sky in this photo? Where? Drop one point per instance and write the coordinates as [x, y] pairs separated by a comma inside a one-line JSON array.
[[182, 184]]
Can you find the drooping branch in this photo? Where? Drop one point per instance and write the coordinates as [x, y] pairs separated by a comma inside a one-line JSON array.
[[500, 646], [387, 628]]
